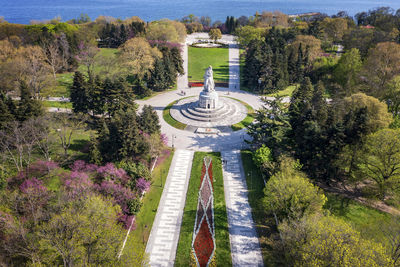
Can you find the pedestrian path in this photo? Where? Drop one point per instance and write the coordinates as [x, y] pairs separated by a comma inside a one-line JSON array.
[[164, 236], [245, 247], [234, 67]]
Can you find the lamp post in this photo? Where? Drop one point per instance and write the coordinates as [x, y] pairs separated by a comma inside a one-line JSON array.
[[173, 137], [259, 83]]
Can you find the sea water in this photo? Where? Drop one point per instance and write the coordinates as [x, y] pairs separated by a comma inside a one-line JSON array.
[[23, 11]]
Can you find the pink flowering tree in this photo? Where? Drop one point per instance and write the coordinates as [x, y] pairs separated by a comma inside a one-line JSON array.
[[78, 185], [142, 185], [34, 197], [109, 172]]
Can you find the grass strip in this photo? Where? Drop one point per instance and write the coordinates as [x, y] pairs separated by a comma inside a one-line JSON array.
[[171, 121], [255, 185], [223, 251], [251, 115], [57, 104], [146, 215]]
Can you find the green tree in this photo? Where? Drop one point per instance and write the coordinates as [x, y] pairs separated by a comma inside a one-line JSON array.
[[271, 126], [148, 120], [85, 233], [290, 195], [262, 157], [79, 96], [5, 115], [347, 70], [376, 111], [215, 34], [28, 107], [381, 67], [329, 241], [380, 160], [246, 34]]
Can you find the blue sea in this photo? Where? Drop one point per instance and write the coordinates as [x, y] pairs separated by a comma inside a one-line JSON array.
[[23, 11]]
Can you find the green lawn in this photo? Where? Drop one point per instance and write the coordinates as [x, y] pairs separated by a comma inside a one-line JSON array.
[[171, 121], [368, 221], [201, 58], [146, 215], [286, 92], [255, 185], [64, 80], [55, 104], [223, 251], [246, 121]]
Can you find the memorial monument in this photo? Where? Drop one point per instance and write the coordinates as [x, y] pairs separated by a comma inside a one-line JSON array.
[[208, 113], [208, 98]]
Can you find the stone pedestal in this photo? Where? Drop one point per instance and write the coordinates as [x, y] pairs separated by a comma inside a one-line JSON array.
[[208, 100]]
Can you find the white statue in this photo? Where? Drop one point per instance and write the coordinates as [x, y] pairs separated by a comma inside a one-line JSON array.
[[209, 85]]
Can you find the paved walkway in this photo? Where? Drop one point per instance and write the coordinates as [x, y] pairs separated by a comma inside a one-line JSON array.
[[245, 247], [164, 236]]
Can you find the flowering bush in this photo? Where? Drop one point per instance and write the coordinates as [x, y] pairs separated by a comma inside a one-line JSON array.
[[164, 139], [142, 185], [121, 195], [126, 220], [110, 172], [78, 184], [81, 166], [32, 185], [36, 169]]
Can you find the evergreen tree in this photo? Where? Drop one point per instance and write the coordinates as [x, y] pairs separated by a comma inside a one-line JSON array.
[[79, 96], [133, 144], [177, 60], [109, 94], [96, 102], [12, 108], [123, 35], [28, 107], [157, 80], [319, 105], [148, 120], [5, 115], [292, 67], [299, 65]]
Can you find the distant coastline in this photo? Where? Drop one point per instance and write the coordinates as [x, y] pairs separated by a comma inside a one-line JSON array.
[[22, 12]]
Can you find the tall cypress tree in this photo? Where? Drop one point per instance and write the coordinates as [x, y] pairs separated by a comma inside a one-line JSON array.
[[5, 115], [148, 120], [96, 102], [299, 64], [157, 80], [79, 96], [27, 106]]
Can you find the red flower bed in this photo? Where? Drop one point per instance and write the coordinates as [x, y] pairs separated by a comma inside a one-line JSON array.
[[203, 244], [196, 84]]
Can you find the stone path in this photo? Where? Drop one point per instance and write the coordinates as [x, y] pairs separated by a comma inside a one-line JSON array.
[[245, 247], [164, 236], [234, 67]]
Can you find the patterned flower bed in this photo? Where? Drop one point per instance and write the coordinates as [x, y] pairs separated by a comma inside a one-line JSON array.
[[203, 242]]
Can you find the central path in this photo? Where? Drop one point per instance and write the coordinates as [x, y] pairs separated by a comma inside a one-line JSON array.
[[164, 235], [245, 247]]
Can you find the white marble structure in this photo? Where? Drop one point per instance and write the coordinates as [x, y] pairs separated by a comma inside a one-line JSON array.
[[208, 98]]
